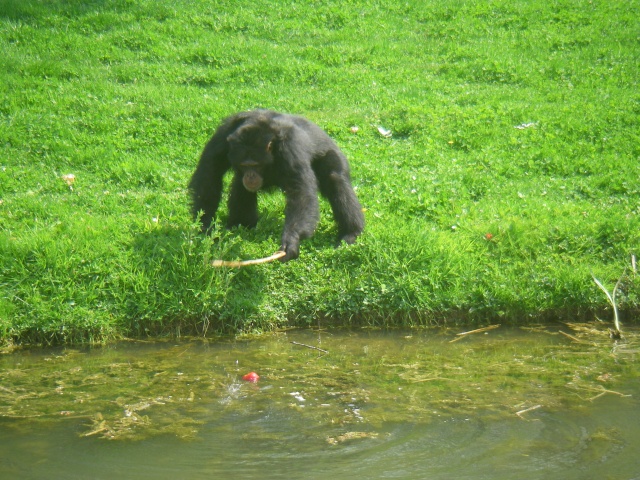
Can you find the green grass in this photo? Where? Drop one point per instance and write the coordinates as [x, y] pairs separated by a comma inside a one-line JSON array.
[[123, 94]]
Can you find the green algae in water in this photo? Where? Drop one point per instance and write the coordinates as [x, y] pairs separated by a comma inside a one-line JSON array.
[[364, 380]]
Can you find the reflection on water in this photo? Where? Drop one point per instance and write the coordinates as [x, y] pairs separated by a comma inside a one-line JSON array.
[[377, 405]]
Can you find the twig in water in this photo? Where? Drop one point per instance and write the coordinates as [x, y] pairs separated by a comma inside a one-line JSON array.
[[310, 346], [5, 389], [519, 414], [244, 263], [605, 391], [478, 330], [420, 380], [577, 340], [601, 391], [100, 429]]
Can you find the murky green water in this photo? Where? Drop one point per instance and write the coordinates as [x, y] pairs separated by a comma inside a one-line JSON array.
[[504, 404]]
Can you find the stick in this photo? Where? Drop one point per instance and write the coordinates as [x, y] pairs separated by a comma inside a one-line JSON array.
[[519, 414], [244, 263], [577, 340], [605, 391], [95, 432], [5, 389], [310, 346], [420, 380], [479, 330]]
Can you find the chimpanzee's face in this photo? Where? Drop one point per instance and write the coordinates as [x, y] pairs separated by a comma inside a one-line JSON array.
[[250, 154]]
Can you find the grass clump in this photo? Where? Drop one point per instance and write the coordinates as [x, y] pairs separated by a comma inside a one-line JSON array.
[[509, 179]]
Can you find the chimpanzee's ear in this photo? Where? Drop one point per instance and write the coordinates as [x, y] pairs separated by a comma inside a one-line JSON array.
[[273, 139]]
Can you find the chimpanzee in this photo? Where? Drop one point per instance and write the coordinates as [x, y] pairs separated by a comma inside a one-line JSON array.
[[265, 149]]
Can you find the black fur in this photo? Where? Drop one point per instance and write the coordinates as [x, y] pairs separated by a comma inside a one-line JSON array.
[[266, 149]]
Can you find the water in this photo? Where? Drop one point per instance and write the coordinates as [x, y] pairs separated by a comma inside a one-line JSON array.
[[375, 405]]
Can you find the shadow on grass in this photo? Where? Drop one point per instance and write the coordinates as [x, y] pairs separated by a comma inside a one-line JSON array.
[[33, 9]]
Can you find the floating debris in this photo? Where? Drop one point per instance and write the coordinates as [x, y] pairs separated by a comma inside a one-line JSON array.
[[530, 409], [297, 396], [350, 436]]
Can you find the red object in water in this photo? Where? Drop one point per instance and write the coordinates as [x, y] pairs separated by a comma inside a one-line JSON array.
[[252, 377]]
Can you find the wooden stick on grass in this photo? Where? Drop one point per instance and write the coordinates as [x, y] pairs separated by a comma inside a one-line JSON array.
[[244, 263]]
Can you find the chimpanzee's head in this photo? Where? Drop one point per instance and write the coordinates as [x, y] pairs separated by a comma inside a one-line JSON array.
[[251, 153]]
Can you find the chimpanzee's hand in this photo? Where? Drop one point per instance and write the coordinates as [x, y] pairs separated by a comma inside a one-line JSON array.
[[349, 239], [291, 246]]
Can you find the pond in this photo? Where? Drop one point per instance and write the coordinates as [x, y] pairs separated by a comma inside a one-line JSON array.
[[554, 401]]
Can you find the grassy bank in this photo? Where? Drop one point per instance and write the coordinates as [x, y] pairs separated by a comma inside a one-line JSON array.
[[515, 119]]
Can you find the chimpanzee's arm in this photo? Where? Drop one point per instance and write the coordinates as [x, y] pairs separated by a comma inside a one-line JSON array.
[[295, 154], [301, 215], [206, 182]]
